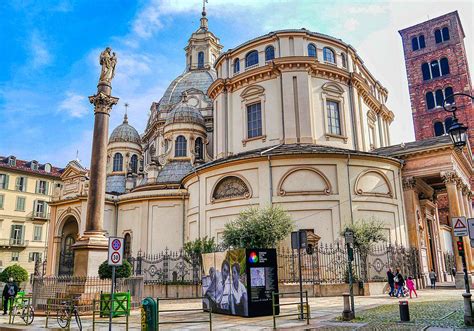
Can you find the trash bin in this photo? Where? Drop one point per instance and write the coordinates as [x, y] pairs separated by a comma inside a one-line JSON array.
[[404, 311]]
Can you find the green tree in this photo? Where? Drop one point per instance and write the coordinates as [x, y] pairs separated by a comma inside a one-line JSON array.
[[258, 228], [123, 271], [200, 246], [17, 272], [367, 232]]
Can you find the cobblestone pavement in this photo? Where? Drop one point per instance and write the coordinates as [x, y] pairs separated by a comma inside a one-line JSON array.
[[324, 311]]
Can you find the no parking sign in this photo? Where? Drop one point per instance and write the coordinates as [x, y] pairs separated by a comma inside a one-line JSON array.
[[115, 251]]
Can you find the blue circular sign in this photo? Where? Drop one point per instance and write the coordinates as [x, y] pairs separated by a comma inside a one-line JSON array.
[[116, 244]]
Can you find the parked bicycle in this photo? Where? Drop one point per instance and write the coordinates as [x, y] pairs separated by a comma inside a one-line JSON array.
[[65, 313], [22, 307]]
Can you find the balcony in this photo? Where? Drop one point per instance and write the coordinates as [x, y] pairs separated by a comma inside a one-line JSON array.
[[10, 243], [40, 215]]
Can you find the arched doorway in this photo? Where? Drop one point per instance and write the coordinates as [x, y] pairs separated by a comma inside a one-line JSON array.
[[69, 234]]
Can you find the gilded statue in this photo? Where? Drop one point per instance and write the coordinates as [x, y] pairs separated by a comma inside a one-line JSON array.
[[108, 60]]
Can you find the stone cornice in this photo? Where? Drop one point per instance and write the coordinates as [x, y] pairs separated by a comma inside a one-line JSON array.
[[371, 101]]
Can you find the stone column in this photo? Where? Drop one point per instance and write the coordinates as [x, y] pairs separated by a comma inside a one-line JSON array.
[[91, 248], [450, 179]]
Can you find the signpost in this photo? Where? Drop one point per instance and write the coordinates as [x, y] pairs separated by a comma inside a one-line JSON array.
[[115, 258], [460, 229], [349, 237], [299, 240]]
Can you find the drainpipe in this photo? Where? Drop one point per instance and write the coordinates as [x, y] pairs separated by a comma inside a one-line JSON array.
[[270, 175], [349, 186], [353, 116], [184, 221], [281, 96], [116, 214], [199, 203]]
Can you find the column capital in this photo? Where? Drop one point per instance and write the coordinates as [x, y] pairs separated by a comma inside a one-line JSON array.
[[466, 190], [103, 103], [449, 177], [408, 183]]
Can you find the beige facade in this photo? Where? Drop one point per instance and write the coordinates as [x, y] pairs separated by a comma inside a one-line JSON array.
[[297, 130], [26, 187]]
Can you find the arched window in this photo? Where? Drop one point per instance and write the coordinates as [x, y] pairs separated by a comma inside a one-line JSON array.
[[448, 92], [328, 55], [444, 66], [127, 246], [414, 43], [251, 59], [447, 123], [311, 50], [438, 37], [231, 187], [438, 128], [236, 65], [134, 163], [180, 147], [201, 60], [421, 41], [430, 101], [439, 97], [269, 53], [68, 242], [445, 34], [344, 60], [435, 69], [198, 149], [118, 162], [425, 69], [213, 58]]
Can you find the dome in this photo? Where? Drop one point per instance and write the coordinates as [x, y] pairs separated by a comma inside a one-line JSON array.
[[192, 79], [125, 133], [185, 113]]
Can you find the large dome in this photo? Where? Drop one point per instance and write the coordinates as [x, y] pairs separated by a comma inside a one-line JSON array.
[[193, 79], [125, 133], [185, 113]]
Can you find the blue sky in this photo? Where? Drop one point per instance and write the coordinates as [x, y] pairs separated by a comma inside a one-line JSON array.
[[49, 58]]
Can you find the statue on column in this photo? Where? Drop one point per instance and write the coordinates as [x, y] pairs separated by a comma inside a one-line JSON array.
[[108, 61]]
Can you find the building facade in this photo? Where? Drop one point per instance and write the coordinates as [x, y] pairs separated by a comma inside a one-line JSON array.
[[436, 64], [26, 187]]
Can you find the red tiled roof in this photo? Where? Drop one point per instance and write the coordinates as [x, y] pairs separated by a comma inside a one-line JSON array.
[[25, 166]]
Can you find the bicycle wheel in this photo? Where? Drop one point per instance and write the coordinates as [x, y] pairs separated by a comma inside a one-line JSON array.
[[28, 314], [78, 320], [63, 318]]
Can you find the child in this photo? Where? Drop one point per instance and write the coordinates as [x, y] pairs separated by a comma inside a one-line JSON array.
[[411, 286]]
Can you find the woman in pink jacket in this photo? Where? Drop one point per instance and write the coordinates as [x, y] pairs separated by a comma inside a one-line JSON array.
[[411, 286]]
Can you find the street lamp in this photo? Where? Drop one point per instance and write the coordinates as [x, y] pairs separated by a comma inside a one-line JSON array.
[[457, 131]]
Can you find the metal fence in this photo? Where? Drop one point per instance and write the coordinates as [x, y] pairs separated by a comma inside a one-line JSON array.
[[328, 264], [87, 289]]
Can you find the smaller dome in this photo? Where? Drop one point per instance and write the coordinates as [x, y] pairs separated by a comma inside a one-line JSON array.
[[125, 133], [185, 113]]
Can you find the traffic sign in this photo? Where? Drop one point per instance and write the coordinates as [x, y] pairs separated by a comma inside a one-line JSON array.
[[470, 224], [115, 251], [460, 226]]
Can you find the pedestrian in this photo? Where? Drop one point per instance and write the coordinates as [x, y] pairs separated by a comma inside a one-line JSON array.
[[9, 291], [453, 271], [411, 286], [433, 277], [391, 282], [400, 282]]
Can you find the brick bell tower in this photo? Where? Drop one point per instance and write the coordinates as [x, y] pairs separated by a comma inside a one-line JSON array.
[[436, 64]]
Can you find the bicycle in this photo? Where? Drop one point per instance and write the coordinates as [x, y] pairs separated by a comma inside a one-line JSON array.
[[64, 314], [23, 308]]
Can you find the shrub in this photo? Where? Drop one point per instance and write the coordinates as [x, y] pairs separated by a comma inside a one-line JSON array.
[[123, 271], [200, 246], [258, 228], [17, 272]]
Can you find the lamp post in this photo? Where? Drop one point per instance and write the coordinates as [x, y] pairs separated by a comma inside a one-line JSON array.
[[457, 131]]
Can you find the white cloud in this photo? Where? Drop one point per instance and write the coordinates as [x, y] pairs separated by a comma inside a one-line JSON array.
[[40, 55], [351, 24], [74, 105]]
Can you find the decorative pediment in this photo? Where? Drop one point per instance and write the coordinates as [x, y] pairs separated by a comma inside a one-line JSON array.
[[230, 188], [253, 90], [373, 183], [73, 170], [304, 181], [333, 88]]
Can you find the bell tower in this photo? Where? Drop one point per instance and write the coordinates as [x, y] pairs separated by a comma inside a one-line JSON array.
[[203, 46]]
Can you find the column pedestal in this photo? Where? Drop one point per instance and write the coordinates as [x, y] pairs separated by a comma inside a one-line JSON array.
[[459, 279], [89, 253]]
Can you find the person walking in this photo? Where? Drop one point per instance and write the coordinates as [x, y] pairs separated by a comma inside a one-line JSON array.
[[391, 282], [400, 282], [9, 291], [411, 286], [432, 275]]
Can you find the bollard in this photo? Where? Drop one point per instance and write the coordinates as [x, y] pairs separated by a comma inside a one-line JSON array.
[[467, 309], [404, 311], [347, 314]]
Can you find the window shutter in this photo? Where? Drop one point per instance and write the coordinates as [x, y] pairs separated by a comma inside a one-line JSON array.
[[12, 232], [46, 188], [6, 181], [37, 186], [35, 206], [17, 183], [25, 183]]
